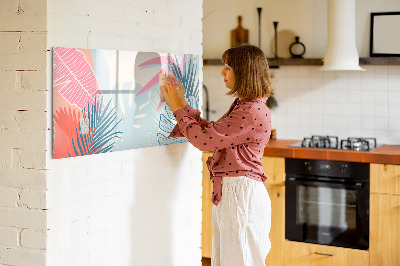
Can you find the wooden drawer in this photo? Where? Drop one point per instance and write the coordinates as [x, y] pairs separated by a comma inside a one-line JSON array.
[[305, 254]]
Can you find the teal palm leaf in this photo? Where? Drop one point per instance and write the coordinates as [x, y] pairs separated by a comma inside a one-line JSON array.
[[102, 134]]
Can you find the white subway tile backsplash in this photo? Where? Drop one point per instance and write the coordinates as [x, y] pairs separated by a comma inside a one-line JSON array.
[[394, 137], [368, 122], [316, 82], [381, 97], [381, 84], [382, 123], [394, 123], [354, 80], [303, 82], [355, 132], [342, 81], [367, 96], [394, 110], [380, 71], [367, 110], [329, 122], [367, 133], [329, 109], [381, 110], [353, 102], [355, 96], [328, 74], [394, 97], [329, 93], [393, 71], [382, 136], [292, 83], [354, 122], [291, 71], [342, 96], [342, 122], [304, 72], [394, 83], [342, 109]]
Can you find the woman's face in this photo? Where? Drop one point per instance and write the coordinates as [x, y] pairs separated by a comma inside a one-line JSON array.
[[229, 76]]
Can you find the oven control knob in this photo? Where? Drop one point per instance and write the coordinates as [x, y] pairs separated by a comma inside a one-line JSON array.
[[343, 168], [308, 166]]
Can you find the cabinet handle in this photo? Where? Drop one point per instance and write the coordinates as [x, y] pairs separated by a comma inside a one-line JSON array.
[[325, 254]]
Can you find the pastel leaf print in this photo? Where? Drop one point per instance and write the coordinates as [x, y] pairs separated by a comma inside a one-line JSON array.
[[71, 68]]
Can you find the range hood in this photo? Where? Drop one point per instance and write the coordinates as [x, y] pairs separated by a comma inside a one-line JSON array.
[[341, 51]]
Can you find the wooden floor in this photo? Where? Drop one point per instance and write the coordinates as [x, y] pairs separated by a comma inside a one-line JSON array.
[[206, 261]]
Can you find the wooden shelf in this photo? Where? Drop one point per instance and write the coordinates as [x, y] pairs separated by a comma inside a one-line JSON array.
[[380, 61], [274, 63]]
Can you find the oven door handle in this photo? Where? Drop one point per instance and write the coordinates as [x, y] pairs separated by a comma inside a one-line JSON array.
[[357, 185]]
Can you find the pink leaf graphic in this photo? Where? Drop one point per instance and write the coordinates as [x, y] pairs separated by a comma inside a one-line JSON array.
[[165, 60], [71, 67], [150, 84], [162, 61]]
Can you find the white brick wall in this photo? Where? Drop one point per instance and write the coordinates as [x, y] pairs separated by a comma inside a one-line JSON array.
[[136, 207], [23, 128]]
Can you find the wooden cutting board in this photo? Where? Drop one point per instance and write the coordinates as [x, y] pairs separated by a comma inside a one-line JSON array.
[[239, 35]]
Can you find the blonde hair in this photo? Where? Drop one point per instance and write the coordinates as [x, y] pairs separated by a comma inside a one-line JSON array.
[[250, 66]]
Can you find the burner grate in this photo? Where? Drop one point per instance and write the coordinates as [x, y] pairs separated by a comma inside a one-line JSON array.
[[327, 142], [358, 144]]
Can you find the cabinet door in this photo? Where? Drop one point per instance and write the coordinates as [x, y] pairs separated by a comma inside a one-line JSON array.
[[274, 168], [206, 232], [384, 236], [305, 254], [277, 233], [385, 178]]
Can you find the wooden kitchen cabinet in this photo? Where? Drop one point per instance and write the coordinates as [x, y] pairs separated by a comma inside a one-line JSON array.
[[385, 178], [206, 225], [274, 168], [306, 254], [277, 233], [384, 236]]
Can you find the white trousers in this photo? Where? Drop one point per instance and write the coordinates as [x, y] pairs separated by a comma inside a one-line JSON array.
[[241, 223]]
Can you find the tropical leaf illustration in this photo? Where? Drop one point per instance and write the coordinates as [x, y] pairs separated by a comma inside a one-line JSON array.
[[186, 72], [101, 135], [164, 140], [162, 61], [71, 69], [65, 122]]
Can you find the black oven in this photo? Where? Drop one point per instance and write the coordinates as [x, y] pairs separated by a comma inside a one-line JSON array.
[[327, 202]]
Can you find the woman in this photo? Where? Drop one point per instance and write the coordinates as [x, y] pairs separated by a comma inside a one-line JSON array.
[[242, 208]]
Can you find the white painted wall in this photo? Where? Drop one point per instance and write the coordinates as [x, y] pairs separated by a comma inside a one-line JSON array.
[[136, 207], [23, 132], [305, 18], [311, 102]]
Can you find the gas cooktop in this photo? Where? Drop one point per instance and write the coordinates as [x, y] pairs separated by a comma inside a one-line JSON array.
[[332, 142]]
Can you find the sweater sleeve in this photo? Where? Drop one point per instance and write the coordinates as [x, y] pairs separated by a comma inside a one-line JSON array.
[[232, 130], [193, 113]]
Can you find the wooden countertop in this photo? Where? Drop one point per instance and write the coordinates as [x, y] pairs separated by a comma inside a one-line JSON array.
[[389, 154]]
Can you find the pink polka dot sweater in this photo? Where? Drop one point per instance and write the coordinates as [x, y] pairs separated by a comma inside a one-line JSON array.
[[238, 139]]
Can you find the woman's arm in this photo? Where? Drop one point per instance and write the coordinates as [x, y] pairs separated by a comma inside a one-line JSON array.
[[177, 100], [236, 129]]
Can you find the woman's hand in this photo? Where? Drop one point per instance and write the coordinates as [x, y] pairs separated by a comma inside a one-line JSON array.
[[173, 93], [181, 91]]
